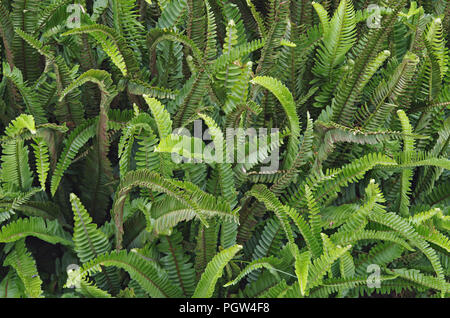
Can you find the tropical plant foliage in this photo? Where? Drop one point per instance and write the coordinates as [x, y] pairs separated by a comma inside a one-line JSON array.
[[94, 204]]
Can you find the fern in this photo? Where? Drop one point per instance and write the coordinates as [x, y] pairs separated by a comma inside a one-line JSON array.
[[74, 143], [205, 287], [227, 149], [42, 160], [49, 231], [287, 101], [114, 45], [25, 266], [149, 276]]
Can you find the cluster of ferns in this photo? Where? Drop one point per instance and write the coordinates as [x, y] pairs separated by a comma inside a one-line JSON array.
[[355, 95]]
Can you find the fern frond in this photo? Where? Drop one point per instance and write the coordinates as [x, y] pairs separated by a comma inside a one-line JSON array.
[[114, 45], [161, 115], [146, 273], [42, 160], [176, 263], [272, 203], [76, 140], [287, 102], [29, 96], [186, 193], [425, 280], [254, 265], [15, 172], [214, 270], [338, 37], [46, 230], [24, 264]]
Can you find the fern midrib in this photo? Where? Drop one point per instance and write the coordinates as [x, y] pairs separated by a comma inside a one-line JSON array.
[[142, 274], [388, 94], [356, 78], [18, 165], [335, 49], [25, 71], [80, 217], [178, 120], [6, 45], [94, 251], [175, 260], [265, 50], [23, 234]]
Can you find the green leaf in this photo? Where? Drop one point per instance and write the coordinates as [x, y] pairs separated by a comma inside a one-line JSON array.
[[214, 270]]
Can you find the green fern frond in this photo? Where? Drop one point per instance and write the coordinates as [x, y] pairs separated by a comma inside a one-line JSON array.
[[161, 115], [15, 172], [425, 280], [302, 264], [24, 264], [267, 263], [146, 273], [114, 45], [214, 270], [272, 203], [17, 125], [42, 160], [176, 263], [338, 37], [89, 241], [46, 230], [29, 96], [287, 102], [191, 196]]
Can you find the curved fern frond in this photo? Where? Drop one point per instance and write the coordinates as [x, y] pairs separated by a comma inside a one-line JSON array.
[[425, 280], [400, 225], [20, 123], [287, 101], [272, 203], [161, 115], [338, 37], [146, 273], [76, 140], [188, 194], [46, 230], [214, 270], [42, 160], [89, 241], [29, 95], [114, 45], [267, 262], [99, 77], [24, 264]]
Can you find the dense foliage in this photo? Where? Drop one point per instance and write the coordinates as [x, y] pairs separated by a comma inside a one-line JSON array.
[[93, 202]]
